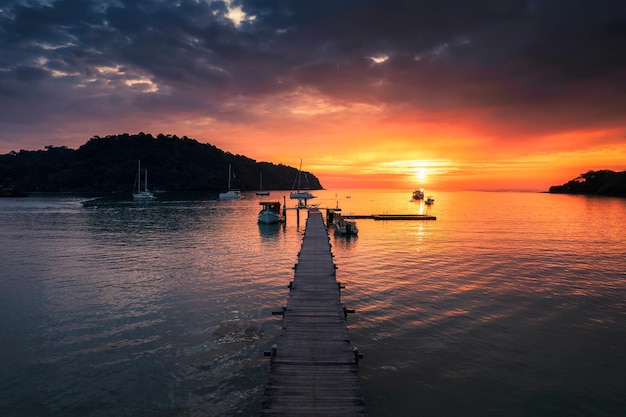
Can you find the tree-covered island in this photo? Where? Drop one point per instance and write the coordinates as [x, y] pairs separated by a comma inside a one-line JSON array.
[[109, 164], [603, 182]]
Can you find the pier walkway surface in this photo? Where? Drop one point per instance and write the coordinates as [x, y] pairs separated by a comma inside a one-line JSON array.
[[313, 369]]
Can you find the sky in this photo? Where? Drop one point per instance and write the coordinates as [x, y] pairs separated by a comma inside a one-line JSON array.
[[446, 94]]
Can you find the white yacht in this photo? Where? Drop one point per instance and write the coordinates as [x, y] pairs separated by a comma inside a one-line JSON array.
[[231, 194]]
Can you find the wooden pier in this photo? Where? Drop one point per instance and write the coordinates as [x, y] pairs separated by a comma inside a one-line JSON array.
[[313, 368]]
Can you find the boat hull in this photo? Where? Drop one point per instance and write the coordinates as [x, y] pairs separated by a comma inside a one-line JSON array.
[[269, 217], [301, 195], [230, 195], [144, 196]]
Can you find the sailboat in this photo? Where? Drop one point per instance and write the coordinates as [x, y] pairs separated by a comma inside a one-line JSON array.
[[231, 194], [138, 194], [299, 194], [261, 192]]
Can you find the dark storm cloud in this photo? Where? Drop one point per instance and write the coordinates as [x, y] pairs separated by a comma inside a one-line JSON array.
[[499, 47], [69, 57]]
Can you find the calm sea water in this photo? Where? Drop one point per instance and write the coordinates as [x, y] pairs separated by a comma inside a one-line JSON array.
[[509, 304]]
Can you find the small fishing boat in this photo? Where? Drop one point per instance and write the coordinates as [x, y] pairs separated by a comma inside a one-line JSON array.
[[418, 194], [231, 194], [344, 226], [270, 213], [139, 194], [429, 200]]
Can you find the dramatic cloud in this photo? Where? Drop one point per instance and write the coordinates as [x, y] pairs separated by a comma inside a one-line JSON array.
[[519, 76]]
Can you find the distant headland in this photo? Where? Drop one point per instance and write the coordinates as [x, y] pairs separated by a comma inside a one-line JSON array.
[[109, 164], [604, 182]]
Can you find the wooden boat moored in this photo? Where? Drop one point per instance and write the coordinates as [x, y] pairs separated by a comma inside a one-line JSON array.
[[345, 227], [270, 213]]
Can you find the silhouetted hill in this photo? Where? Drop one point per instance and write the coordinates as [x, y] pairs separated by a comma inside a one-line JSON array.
[[110, 164], [604, 182]]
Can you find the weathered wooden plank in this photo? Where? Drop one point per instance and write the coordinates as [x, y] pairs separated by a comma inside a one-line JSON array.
[[314, 370]]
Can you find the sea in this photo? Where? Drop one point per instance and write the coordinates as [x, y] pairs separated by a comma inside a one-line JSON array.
[[508, 304]]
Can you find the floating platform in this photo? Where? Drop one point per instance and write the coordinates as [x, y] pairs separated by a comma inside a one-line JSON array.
[[330, 213], [403, 217], [391, 216]]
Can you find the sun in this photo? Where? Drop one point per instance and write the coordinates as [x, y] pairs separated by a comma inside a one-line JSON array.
[[420, 173]]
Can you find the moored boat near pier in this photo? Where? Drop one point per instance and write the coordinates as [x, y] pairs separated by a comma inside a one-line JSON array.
[[270, 213], [344, 226]]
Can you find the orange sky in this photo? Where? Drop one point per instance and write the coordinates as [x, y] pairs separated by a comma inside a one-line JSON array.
[[358, 155], [361, 146], [496, 96]]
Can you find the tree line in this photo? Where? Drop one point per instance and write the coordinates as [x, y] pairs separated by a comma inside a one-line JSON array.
[[603, 182], [109, 164]]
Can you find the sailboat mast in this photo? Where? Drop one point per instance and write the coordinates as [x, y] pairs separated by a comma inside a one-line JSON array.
[[229, 169], [139, 176], [145, 186], [299, 174]]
